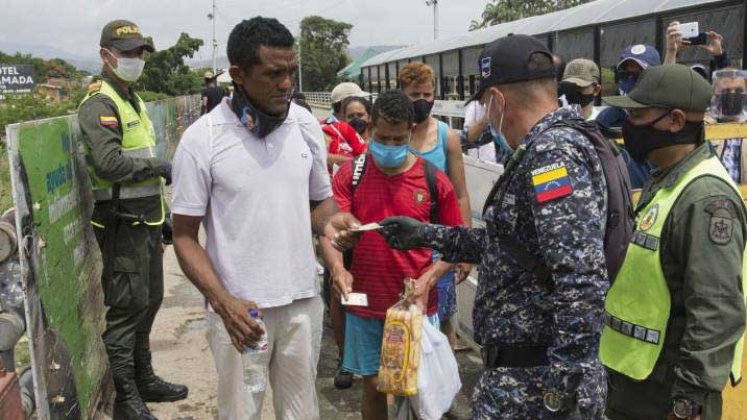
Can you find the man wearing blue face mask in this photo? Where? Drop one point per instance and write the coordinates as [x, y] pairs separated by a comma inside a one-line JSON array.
[[389, 180], [543, 254], [633, 60], [128, 217]]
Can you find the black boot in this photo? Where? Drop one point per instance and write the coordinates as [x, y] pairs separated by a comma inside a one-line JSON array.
[[151, 387], [128, 405]]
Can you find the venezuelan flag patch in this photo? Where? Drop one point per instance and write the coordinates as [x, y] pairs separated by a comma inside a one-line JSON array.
[[551, 182], [108, 121]]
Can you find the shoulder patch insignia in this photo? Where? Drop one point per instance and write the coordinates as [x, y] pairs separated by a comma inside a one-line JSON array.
[[94, 87], [109, 120], [720, 230], [551, 182]]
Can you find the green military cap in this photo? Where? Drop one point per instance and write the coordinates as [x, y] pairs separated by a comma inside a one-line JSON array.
[[667, 86], [124, 36], [581, 72]]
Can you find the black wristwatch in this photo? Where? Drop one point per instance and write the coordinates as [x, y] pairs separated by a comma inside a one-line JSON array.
[[682, 408]]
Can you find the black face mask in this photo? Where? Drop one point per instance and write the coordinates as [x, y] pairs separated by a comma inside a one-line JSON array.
[[422, 110], [732, 103], [359, 125], [641, 140], [263, 124], [572, 95]]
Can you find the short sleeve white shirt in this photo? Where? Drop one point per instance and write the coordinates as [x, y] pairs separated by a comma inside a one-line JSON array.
[[253, 196]]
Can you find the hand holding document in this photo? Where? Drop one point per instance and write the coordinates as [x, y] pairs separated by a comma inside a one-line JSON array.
[[366, 228]]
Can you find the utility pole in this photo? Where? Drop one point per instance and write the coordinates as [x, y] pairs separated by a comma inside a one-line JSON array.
[[434, 3], [211, 16]]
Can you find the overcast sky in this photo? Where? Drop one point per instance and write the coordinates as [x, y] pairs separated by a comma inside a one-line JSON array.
[[74, 25]]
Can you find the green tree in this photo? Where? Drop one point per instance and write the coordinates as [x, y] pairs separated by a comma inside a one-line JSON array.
[[165, 71], [501, 11], [323, 45], [58, 67]]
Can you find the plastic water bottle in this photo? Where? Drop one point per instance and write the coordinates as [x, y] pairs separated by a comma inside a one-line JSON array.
[[255, 371]]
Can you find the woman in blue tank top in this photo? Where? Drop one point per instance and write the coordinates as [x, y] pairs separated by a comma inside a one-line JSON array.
[[433, 140]]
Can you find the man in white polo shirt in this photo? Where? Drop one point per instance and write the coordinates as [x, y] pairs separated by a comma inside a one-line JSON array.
[[253, 171]]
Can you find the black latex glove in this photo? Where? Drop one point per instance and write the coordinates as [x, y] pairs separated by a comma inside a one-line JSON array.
[[167, 231], [403, 233], [163, 169]]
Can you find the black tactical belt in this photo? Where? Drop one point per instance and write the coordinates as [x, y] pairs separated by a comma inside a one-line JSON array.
[[514, 357]]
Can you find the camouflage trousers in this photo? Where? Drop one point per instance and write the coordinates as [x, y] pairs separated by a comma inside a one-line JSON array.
[[516, 394]]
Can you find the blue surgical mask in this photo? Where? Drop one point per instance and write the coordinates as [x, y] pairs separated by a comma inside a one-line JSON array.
[[388, 156], [498, 138]]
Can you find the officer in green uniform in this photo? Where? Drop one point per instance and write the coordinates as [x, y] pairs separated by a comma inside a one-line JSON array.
[[675, 314], [128, 217]]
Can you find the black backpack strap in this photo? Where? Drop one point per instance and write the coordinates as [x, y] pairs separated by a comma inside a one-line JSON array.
[[431, 177], [620, 214], [359, 167]]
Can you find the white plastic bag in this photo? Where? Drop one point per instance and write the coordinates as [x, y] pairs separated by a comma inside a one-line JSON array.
[[438, 376]]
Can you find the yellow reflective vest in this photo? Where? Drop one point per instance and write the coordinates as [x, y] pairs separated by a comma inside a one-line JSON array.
[[138, 141], [638, 303]]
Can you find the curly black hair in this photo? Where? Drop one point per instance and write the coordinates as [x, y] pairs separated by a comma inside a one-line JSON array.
[[393, 106], [246, 38]]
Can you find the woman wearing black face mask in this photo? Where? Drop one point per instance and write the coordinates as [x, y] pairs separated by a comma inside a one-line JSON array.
[[357, 112], [434, 141]]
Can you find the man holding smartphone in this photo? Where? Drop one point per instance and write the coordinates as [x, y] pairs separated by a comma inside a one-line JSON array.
[[709, 41]]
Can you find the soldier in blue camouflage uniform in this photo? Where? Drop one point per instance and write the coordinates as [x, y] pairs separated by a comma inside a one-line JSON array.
[[539, 324]]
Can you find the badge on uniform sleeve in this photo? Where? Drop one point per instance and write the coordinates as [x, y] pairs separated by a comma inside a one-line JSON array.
[[720, 230], [551, 182], [721, 225], [108, 120]]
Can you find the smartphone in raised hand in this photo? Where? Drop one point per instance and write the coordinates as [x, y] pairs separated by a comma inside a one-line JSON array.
[[701, 39], [688, 30]]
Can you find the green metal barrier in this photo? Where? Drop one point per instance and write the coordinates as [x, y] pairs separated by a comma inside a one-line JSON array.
[[59, 256]]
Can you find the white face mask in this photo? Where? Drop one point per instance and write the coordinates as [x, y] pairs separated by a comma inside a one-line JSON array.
[[128, 69]]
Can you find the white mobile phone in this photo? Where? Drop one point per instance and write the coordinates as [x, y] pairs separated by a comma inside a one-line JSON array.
[[689, 30]]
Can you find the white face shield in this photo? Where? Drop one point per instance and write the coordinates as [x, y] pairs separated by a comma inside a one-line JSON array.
[[729, 101]]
